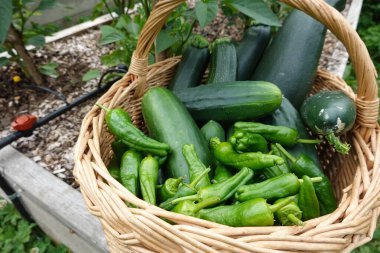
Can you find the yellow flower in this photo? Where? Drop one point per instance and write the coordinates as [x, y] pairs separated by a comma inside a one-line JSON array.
[[16, 79]]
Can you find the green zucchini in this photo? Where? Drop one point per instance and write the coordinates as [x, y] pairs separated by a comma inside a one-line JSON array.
[[232, 101], [292, 58], [168, 120], [213, 129], [250, 49], [330, 113], [287, 115], [223, 62], [192, 66]]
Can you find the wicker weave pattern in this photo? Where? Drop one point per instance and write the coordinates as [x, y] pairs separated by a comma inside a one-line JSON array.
[[356, 177]]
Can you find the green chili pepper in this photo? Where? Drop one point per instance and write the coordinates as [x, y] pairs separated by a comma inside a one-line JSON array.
[[196, 167], [254, 212], [279, 134], [274, 188], [304, 165], [188, 207], [225, 154], [124, 130], [308, 200], [148, 172], [223, 190], [221, 173], [183, 190], [129, 171], [119, 148], [276, 170], [169, 188], [248, 142], [288, 215], [114, 168]]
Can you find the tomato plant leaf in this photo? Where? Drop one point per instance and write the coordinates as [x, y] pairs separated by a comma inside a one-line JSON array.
[[5, 18], [110, 35], [91, 74], [206, 11]]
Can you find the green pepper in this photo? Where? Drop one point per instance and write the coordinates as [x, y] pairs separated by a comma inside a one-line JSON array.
[[148, 172], [223, 190], [304, 165], [188, 207], [221, 173], [184, 190], [254, 212], [279, 134], [288, 215], [276, 170], [114, 168], [308, 200], [248, 142], [225, 154], [169, 188], [124, 130], [119, 148], [196, 167], [129, 170], [274, 188]]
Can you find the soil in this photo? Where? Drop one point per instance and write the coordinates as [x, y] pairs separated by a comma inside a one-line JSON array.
[[51, 146]]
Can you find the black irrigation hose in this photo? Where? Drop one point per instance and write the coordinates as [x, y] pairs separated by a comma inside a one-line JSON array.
[[9, 191]]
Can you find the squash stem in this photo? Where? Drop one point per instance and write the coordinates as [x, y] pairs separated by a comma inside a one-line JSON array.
[[342, 148], [309, 141], [286, 153]]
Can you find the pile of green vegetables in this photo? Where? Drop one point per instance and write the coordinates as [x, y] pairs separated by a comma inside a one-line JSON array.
[[234, 149]]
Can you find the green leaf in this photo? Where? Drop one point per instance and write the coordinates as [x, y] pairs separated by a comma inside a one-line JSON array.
[[257, 10], [115, 58], [5, 18], [3, 61], [164, 40], [37, 40], [91, 74], [46, 4], [49, 70], [110, 35], [206, 11]]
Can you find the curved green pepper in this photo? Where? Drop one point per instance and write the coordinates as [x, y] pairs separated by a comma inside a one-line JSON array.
[[280, 134], [248, 142], [276, 170], [188, 207], [304, 165], [119, 125], [196, 167], [225, 154], [274, 188], [169, 188], [222, 173], [308, 200], [223, 190], [254, 212], [288, 215], [129, 171], [148, 172]]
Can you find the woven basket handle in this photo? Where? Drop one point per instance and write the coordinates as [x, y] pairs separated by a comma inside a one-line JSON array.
[[154, 24]]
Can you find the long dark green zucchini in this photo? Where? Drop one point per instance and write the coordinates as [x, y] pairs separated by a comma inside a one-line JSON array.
[[193, 64], [223, 63], [250, 49], [168, 120], [291, 60], [232, 101]]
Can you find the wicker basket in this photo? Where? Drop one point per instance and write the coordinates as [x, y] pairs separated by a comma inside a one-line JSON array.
[[356, 177]]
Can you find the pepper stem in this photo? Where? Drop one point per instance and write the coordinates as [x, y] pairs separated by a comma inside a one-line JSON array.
[[191, 197], [309, 141], [313, 180], [103, 107], [206, 203], [286, 153], [199, 177], [278, 206], [295, 220], [215, 141], [342, 148]]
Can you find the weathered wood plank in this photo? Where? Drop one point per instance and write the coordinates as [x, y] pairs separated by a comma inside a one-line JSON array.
[[54, 196]]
